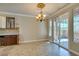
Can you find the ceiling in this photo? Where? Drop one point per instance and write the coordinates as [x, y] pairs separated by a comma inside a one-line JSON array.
[[30, 8]]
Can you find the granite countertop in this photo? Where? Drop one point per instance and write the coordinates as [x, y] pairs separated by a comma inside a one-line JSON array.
[[9, 34]]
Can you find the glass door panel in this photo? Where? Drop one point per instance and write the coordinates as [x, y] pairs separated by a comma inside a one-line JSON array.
[[56, 31], [61, 31], [64, 32]]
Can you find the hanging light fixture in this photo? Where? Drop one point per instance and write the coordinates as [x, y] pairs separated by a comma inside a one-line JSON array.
[[40, 17]]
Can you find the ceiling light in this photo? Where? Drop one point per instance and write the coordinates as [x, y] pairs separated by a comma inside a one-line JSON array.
[[41, 16]]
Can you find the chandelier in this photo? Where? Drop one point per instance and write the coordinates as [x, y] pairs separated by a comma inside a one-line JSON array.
[[40, 17]]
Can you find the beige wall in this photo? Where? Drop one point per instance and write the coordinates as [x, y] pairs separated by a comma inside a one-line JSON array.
[[30, 29]]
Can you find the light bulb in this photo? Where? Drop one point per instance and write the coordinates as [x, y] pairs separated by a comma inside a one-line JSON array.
[[44, 15], [39, 15]]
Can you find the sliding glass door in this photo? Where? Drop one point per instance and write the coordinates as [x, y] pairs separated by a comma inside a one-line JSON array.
[[61, 31], [56, 31], [64, 32]]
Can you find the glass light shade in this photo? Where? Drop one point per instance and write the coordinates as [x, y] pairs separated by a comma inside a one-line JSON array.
[[37, 17], [40, 16], [44, 15]]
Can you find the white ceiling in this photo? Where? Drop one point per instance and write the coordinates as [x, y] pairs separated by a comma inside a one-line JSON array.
[[30, 8]]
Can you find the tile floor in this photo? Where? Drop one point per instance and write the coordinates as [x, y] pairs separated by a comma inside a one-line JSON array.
[[34, 49]]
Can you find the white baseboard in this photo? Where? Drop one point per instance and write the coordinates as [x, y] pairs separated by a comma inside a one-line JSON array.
[[33, 41], [74, 52]]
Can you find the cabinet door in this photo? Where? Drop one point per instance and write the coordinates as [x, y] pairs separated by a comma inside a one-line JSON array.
[[11, 39], [10, 22], [2, 22]]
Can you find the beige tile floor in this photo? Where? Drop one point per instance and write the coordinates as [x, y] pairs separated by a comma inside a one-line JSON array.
[[34, 49]]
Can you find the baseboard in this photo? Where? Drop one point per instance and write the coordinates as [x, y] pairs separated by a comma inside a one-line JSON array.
[[34, 41], [74, 52]]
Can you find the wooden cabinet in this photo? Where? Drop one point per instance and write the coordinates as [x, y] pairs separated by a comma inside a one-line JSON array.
[[8, 40]]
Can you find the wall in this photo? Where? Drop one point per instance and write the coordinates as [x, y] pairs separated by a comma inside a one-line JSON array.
[[42, 30], [30, 29]]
